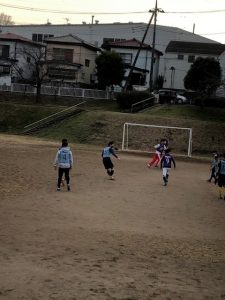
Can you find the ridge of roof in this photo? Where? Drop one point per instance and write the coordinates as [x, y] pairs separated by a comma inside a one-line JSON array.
[[195, 47]]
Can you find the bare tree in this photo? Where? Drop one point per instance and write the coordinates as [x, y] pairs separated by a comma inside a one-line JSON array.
[[31, 67], [6, 20]]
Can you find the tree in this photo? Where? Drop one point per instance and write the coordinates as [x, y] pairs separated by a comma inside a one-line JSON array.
[[204, 76], [5, 19], [110, 69], [34, 70]]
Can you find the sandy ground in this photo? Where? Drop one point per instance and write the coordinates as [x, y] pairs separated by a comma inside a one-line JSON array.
[[128, 239]]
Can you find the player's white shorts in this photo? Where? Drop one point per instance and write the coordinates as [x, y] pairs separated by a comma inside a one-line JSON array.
[[165, 171]]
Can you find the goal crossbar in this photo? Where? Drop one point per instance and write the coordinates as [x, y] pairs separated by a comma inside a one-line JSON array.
[[126, 134]]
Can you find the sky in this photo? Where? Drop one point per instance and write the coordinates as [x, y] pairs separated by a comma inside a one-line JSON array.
[[206, 17]]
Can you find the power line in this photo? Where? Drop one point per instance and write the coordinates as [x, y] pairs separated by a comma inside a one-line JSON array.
[[196, 12], [102, 13], [69, 12]]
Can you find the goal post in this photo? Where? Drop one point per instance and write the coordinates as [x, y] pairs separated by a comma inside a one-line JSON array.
[[142, 137]]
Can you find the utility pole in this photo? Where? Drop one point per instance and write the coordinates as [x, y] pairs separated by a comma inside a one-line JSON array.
[[138, 52], [156, 10]]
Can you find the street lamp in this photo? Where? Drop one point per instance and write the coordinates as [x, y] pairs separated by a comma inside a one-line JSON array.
[[172, 77]]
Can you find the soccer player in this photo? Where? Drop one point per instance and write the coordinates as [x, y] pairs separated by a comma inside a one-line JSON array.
[[64, 162], [166, 161], [221, 178], [214, 167], [106, 153], [162, 146]]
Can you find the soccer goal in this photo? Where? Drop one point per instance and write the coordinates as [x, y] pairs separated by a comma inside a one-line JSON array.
[[143, 137]]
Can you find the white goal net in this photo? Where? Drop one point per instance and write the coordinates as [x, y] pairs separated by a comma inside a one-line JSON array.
[[143, 137]]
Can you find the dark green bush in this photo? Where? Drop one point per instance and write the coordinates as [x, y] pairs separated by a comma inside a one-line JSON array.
[[126, 99], [211, 102]]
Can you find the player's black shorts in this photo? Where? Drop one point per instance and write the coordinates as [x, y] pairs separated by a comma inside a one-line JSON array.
[[107, 163], [221, 180]]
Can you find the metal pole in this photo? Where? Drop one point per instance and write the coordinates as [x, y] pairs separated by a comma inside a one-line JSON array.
[[153, 49], [138, 52]]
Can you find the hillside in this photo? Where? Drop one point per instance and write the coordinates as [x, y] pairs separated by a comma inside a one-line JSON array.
[[101, 123]]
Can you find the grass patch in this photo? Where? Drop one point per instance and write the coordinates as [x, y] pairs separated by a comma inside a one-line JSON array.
[[14, 117], [211, 114], [102, 122]]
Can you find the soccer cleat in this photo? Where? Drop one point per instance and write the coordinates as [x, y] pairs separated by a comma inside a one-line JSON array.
[[148, 165], [68, 187], [58, 189]]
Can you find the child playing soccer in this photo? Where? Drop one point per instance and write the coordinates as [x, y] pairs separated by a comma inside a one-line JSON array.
[[106, 153], [166, 161], [162, 146], [64, 161], [214, 167], [221, 178]]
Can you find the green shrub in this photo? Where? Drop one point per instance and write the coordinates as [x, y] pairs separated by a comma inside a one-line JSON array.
[[126, 99], [211, 101]]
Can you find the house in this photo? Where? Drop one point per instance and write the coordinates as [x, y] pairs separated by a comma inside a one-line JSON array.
[[71, 60], [99, 33], [180, 55], [141, 71], [14, 63]]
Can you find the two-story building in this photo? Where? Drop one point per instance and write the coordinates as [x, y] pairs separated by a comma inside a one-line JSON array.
[[14, 63], [71, 60], [180, 55], [128, 50]]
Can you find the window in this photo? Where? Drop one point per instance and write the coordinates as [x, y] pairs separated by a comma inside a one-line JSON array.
[[180, 56], [39, 37], [34, 37], [107, 40], [4, 51], [126, 57], [87, 63], [4, 70], [63, 54], [191, 58]]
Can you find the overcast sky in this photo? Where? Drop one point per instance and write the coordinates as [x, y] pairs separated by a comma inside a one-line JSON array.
[[209, 18]]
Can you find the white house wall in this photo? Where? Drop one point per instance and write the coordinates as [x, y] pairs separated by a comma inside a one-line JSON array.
[[143, 62], [5, 80], [16, 53], [175, 79], [222, 64]]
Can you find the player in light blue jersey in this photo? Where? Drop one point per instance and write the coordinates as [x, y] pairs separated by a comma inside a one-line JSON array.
[[64, 162], [166, 161], [106, 153]]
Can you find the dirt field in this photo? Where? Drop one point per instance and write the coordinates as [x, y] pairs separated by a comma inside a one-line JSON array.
[[128, 239]]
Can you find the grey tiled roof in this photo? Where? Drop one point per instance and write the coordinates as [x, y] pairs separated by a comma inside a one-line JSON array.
[[195, 48], [131, 44]]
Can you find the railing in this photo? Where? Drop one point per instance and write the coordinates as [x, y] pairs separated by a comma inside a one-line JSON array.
[[142, 104], [56, 116], [56, 91]]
